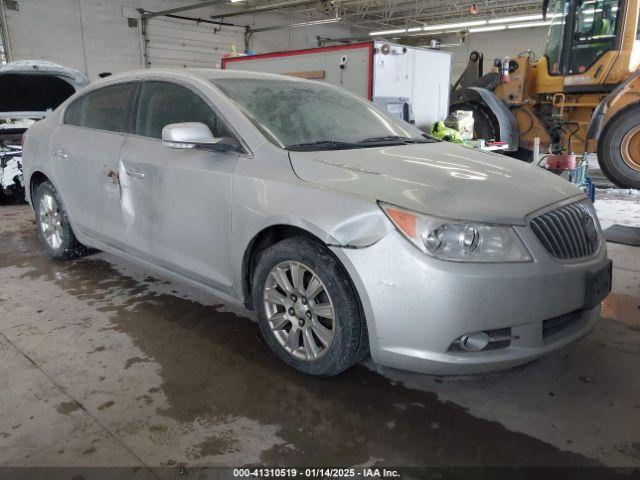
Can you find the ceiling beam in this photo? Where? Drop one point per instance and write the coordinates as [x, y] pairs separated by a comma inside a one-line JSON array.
[[184, 8], [271, 8]]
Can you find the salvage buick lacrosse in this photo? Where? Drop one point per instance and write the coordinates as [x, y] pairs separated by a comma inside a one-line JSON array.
[[346, 229]]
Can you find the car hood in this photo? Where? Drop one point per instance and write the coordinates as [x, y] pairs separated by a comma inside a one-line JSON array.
[[37, 88], [439, 179]]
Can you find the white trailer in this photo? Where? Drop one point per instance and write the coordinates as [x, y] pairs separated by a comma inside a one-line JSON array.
[[397, 77]]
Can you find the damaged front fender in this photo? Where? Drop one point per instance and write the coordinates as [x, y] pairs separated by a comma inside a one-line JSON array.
[[360, 231]]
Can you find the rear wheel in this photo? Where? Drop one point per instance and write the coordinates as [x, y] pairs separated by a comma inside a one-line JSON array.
[[307, 308], [54, 229], [619, 148]]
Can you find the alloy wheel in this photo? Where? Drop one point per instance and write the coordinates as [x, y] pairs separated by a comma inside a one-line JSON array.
[[50, 220], [630, 148], [299, 310]]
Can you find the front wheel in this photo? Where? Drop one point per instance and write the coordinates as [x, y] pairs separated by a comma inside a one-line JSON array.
[[308, 311], [485, 123], [54, 229], [619, 148]]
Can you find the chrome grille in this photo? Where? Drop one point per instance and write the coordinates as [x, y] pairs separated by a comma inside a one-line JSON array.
[[568, 232]]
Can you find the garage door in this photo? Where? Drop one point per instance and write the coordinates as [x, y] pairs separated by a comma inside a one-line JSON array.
[[172, 42]]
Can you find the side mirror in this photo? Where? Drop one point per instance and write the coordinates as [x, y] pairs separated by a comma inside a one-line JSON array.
[[192, 135]]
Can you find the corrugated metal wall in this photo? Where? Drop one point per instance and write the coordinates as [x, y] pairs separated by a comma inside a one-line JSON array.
[[172, 42]]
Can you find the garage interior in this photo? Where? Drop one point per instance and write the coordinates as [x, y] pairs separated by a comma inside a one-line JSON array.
[[103, 365]]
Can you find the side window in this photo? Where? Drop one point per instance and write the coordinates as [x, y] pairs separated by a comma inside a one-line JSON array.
[[106, 108], [595, 33], [163, 103]]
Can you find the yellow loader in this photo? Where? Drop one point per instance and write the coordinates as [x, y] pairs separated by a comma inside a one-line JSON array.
[[581, 96]]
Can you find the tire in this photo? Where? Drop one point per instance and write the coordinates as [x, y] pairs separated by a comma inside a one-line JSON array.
[[485, 124], [278, 322], [619, 148], [521, 154], [51, 216]]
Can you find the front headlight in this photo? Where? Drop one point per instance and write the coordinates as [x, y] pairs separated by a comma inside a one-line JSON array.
[[459, 241]]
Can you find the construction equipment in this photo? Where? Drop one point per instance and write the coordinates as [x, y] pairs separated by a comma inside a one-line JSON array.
[[582, 95]]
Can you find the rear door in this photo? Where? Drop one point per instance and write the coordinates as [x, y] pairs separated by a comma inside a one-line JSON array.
[[85, 151], [176, 203]]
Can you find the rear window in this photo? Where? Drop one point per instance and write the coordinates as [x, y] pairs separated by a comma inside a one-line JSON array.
[[106, 108]]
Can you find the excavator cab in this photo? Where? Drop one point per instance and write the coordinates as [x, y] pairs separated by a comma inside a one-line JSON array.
[[581, 32]]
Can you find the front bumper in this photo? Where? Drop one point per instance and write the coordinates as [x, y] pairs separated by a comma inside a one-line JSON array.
[[417, 306]]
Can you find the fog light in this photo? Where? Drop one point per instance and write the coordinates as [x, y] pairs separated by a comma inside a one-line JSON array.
[[474, 342]]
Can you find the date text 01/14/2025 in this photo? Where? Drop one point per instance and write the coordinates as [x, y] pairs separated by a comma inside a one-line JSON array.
[[315, 473]]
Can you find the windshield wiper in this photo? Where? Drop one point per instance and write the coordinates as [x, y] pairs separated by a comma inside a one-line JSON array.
[[366, 143], [322, 145], [395, 138]]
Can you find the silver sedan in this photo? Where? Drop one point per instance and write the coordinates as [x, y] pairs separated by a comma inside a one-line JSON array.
[[349, 231]]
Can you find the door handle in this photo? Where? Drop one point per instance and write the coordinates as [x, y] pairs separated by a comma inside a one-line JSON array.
[[60, 155], [132, 172]]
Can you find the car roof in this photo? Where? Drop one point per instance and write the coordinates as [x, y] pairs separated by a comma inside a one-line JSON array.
[[200, 73]]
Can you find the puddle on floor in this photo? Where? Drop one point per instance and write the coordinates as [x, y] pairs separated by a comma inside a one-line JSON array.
[[213, 364]]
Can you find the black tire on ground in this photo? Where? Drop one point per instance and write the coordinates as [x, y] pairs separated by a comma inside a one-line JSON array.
[[69, 246], [485, 123], [521, 154], [350, 342], [610, 148]]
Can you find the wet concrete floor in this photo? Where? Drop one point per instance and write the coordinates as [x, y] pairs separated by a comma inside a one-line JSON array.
[[101, 364]]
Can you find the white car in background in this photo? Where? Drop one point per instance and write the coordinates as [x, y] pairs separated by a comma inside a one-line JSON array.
[[31, 89]]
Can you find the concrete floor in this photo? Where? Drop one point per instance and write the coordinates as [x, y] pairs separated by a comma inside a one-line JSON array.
[[102, 365]]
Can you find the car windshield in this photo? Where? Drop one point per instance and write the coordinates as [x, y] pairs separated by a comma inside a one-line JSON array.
[[308, 116]]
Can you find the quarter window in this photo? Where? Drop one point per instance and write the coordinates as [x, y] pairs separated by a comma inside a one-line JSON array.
[[106, 108], [163, 103]]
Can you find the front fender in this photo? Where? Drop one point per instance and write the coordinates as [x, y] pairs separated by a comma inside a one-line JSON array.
[[336, 219], [506, 119], [619, 98]]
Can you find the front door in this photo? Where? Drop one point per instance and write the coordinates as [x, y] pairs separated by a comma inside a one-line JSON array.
[[85, 151], [176, 203]]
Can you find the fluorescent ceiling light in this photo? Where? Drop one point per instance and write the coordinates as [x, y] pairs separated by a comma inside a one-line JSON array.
[[487, 29], [317, 22], [435, 32], [455, 25], [388, 32], [414, 29], [527, 25], [522, 18], [237, 1], [592, 10]]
